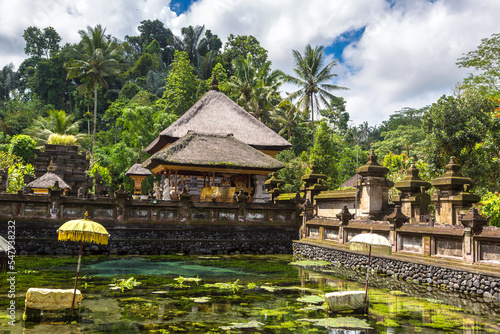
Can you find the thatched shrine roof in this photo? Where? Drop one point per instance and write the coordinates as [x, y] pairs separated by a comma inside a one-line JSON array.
[[48, 180], [137, 169], [213, 152], [215, 113]]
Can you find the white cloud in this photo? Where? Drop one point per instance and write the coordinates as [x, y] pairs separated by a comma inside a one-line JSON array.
[[406, 57]]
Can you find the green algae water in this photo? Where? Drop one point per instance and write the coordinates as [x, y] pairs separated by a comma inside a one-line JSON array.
[[236, 294]]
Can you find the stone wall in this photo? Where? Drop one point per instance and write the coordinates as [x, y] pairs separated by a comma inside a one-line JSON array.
[[41, 239], [152, 227], [469, 282], [68, 163]]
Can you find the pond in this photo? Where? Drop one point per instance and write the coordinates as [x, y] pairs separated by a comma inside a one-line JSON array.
[[236, 294]]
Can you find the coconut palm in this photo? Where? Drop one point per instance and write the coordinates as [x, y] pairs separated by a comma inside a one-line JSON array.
[[254, 90], [314, 79], [286, 117], [191, 37], [98, 59]]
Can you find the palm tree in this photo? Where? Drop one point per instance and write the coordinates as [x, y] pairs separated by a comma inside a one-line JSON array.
[[254, 90], [314, 80], [191, 37], [58, 122], [98, 60], [286, 117]]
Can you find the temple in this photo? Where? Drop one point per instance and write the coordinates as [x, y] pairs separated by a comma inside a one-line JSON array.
[[215, 150]]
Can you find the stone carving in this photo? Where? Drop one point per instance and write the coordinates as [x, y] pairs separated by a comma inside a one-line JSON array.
[[156, 190], [166, 192]]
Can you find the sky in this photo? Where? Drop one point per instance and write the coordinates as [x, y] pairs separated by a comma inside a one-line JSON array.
[[392, 54]]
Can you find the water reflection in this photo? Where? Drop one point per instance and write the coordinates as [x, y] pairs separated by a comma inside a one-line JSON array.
[[273, 304]]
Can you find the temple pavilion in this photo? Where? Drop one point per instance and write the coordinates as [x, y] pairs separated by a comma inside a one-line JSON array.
[[220, 147]]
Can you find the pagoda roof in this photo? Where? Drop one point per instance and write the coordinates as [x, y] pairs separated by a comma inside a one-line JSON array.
[[213, 152], [48, 180], [215, 113]]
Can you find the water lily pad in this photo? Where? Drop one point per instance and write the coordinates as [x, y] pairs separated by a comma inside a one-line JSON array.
[[241, 325], [311, 308], [311, 299], [269, 288], [341, 322]]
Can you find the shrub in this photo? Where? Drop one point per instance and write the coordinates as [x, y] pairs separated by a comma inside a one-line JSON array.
[[22, 146], [489, 206], [57, 139]]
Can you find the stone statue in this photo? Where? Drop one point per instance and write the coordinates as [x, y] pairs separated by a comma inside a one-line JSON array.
[[166, 192], [156, 189]]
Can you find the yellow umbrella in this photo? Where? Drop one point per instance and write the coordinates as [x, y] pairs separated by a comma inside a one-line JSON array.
[[366, 240], [82, 230]]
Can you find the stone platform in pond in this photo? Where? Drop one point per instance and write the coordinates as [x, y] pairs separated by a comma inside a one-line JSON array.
[[345, 300]]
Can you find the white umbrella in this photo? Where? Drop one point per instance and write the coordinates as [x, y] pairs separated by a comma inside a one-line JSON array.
[[366, 240]]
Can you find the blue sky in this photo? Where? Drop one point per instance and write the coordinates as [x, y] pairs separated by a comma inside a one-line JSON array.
[[393, 53], [180, 6]]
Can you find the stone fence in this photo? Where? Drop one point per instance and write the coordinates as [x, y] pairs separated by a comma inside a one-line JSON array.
[[486, 285], [152, 226], [472, 241]]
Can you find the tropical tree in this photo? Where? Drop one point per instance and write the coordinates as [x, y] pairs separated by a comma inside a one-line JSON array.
[[485, 60], [191, 37], [286, 117], [314, 80], [240, 46], [182, 84], [255, 90], [98, 60], [466, 126], [58, 122], [40, 43], [8, 81]]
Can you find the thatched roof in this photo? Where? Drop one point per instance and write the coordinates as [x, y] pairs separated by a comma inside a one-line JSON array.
[[48, 180], [215, 113], [214, 152], [137, 169], [351, 182]]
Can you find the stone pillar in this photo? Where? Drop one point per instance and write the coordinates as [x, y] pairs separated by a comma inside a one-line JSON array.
[[374, 187], [344, 216], [259, 192], [121, 196], [307, 214], [3, 180], [397, 219], [242, 200], [452, 197], [273, 186], [473, 223], [55, 194], [413, 198], [314, 183]]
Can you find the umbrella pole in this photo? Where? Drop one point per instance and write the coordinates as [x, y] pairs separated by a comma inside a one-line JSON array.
[[76, 277], [367, 273]]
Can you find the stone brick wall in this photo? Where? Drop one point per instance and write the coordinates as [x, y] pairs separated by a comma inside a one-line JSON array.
[[68, 163], [486, 286]]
